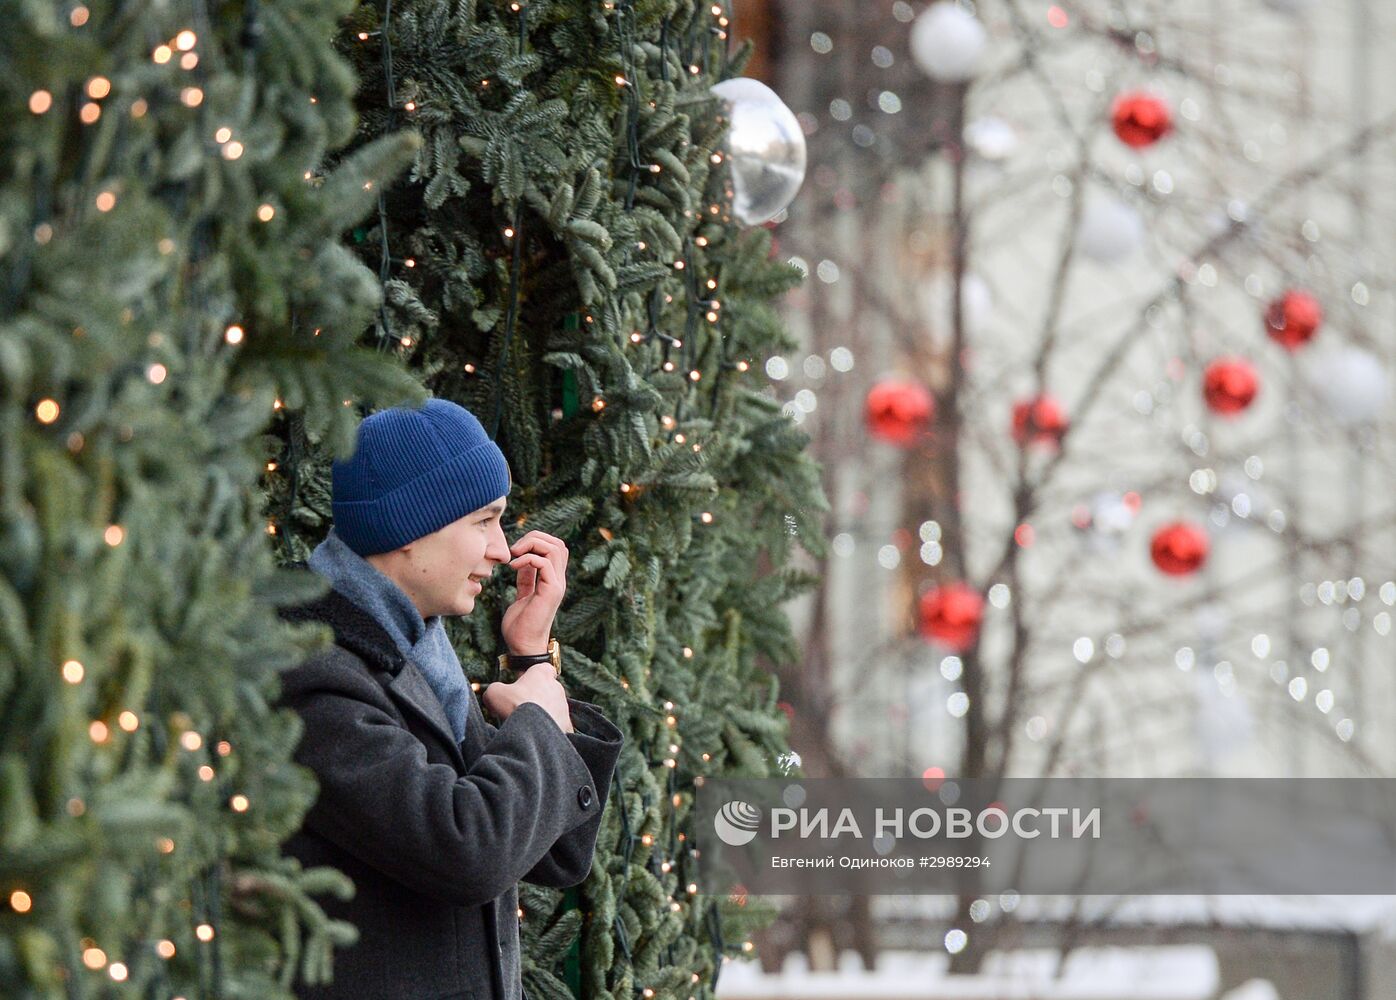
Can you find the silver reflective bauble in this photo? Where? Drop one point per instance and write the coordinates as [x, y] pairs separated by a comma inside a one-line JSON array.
[[766, 147]]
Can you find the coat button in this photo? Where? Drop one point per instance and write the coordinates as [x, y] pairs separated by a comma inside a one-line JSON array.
[[584, 796]]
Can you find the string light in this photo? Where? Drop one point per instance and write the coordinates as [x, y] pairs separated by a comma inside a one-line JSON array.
[[20, 901], [239, 803], [73, 672], [185, 40], [266, 212], [128, 721], [164, 845], [165, 948], [204, 932], [94, 958], [162, 54], [40, 101], [191, 740], [78, 17], [98, 731], [89, 113]]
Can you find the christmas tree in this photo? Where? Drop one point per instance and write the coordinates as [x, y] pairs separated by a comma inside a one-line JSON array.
[[563, 259], [169, 281]]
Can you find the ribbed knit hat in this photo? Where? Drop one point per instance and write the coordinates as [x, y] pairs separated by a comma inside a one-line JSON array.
[[413, 472]]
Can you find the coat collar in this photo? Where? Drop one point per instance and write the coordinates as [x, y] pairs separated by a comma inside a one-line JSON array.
[[357, 631], [354, 628]]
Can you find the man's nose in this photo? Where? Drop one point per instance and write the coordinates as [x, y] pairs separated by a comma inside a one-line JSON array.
[[498, 549]]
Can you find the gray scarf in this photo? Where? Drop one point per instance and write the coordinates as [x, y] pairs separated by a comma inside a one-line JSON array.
[[423, 642]]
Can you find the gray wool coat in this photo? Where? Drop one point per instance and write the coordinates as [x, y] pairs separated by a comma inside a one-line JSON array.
[[434, 835]]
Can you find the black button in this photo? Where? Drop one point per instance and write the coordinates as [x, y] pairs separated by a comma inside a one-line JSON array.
[[584, 796]]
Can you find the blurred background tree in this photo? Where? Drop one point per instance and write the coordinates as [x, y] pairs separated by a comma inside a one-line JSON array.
[[169, 277], [1094, 355]]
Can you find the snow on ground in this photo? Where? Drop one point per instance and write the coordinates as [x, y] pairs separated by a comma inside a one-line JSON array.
[[1175, 972]]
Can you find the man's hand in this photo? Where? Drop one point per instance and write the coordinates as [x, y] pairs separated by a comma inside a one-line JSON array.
[[540, 560], [538, 684]]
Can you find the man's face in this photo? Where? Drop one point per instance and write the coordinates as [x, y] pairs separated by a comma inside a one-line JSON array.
[[443, 572]]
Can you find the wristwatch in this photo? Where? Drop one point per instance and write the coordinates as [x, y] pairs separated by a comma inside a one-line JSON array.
[[510, 661]]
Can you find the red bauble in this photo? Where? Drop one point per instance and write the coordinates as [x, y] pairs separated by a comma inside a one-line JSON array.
[[1229, 385], [1040, 420], [1293, 318], [899, 410], [950, 615], [1140, 119], [1179, 548]]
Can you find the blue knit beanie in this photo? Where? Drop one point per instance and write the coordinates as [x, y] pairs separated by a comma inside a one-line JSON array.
[[413, 472]]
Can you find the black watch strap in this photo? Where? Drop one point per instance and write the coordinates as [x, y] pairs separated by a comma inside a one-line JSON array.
[[524, 661]]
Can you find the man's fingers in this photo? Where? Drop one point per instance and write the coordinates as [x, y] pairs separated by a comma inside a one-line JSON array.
[[542, 542], [541, 565]]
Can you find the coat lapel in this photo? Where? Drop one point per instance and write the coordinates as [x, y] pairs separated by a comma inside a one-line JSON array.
[[412, 692], [357, 631]]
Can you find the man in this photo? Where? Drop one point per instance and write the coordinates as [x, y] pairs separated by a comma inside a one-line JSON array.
[[435, 813]]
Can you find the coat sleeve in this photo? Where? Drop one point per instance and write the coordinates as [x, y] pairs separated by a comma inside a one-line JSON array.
[[598, 742], [463, 839]]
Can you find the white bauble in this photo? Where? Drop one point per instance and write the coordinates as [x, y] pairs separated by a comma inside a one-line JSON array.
[[948, 42], [935, 298], [1110, 514], [1111, 229], [1351, 382], [991, 138], [766, 147]]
